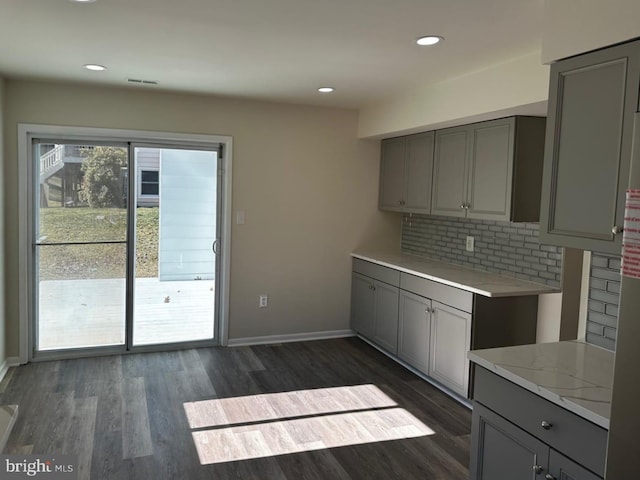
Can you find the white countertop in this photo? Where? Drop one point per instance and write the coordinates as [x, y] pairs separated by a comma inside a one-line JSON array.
[[476, 281], [573, 374]]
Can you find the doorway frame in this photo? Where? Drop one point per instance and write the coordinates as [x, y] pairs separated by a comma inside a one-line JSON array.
[[27, 132]]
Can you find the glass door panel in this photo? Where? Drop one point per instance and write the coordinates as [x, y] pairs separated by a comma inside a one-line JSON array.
[[80, 247], [175, 231]]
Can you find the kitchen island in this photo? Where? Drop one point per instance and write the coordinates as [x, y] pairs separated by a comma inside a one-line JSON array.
[[542, 407]]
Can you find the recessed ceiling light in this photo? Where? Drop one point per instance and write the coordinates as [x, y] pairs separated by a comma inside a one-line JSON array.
[[82, 1], [326, 89], [429, 40], [94, 67]]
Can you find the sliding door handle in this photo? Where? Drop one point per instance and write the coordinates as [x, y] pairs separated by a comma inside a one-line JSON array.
[[214, 247]]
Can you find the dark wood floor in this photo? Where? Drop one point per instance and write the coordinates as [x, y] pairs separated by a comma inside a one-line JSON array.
[[124, 416]]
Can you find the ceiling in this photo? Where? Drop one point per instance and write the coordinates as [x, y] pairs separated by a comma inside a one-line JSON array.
[[279, 50]]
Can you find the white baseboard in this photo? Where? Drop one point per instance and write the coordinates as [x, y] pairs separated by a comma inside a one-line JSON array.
[[292, 337], [6, 364], [4, 368], [14, 361]]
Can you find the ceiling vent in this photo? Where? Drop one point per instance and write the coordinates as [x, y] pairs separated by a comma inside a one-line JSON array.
[[144, 82]]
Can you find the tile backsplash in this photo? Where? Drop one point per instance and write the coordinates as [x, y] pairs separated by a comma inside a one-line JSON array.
[[604, 295], [505, 248]]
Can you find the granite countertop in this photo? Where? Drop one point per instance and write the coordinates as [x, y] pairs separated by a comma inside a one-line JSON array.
[[476, 281], [572, 374]]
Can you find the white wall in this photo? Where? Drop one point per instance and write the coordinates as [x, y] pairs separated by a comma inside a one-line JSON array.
[[308, 186], [577, 26], [3, 355], [520, 86]]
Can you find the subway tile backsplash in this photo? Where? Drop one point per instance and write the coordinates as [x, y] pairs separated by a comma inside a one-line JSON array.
[[604, 296], [505, 248]]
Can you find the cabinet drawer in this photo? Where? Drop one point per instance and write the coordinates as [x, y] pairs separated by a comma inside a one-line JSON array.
[[384, 274], [451, 296], [577, 438]]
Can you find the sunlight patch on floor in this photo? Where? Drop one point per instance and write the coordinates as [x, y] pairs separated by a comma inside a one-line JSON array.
[[276, 406], [256, 426], [306, 434]]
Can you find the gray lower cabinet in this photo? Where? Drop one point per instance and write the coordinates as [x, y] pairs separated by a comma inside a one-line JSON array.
[[428, 324], [414, 332], [362, 304], [449, 344], [503, 451], [562, 468], [592, 101], [385, 332], [490, 170], [374, 309], [516, 434], [406, 166]]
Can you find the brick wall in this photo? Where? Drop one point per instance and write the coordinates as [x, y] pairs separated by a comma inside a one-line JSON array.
[[604, 294], [505, 248]]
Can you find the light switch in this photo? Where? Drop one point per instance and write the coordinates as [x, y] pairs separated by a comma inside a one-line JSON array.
[[240, 217]]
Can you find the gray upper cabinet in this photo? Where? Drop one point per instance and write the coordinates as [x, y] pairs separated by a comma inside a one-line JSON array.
[[392, 174], [449, 172], [592, 101], [490, 170], [406, 166]]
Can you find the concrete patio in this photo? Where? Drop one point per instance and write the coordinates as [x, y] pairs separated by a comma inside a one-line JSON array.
[[89, 313]]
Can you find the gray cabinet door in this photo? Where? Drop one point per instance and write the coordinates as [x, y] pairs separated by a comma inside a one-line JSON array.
[[362, 304], [414, 330], [392, 174], [592, 99], [386, 316], [418, 173], [500, 450], [450, 341], [449, 172], [491, 170], [561, 468]]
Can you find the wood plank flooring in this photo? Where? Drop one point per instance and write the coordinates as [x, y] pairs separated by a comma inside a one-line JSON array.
[[335, 409]]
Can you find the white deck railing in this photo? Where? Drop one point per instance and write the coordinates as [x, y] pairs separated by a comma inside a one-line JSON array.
[[51, 162]]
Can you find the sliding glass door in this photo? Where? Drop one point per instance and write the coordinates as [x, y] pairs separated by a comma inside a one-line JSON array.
[[175, 234], [124, 246], [80, 246]]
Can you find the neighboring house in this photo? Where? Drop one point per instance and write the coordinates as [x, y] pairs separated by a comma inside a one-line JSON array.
[[61, 175]]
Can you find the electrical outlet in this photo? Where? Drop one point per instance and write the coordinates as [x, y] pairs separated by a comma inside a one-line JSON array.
[[263, 301], [470, 244]]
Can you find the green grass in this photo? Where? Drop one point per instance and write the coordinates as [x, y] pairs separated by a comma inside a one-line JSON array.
[[100, 260]]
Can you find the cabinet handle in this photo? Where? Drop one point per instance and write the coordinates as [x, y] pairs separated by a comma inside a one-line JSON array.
[[462, 205], [373, 288], [616, 230], [537, 469], [546, 425], [467, 206], [548, 476]]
